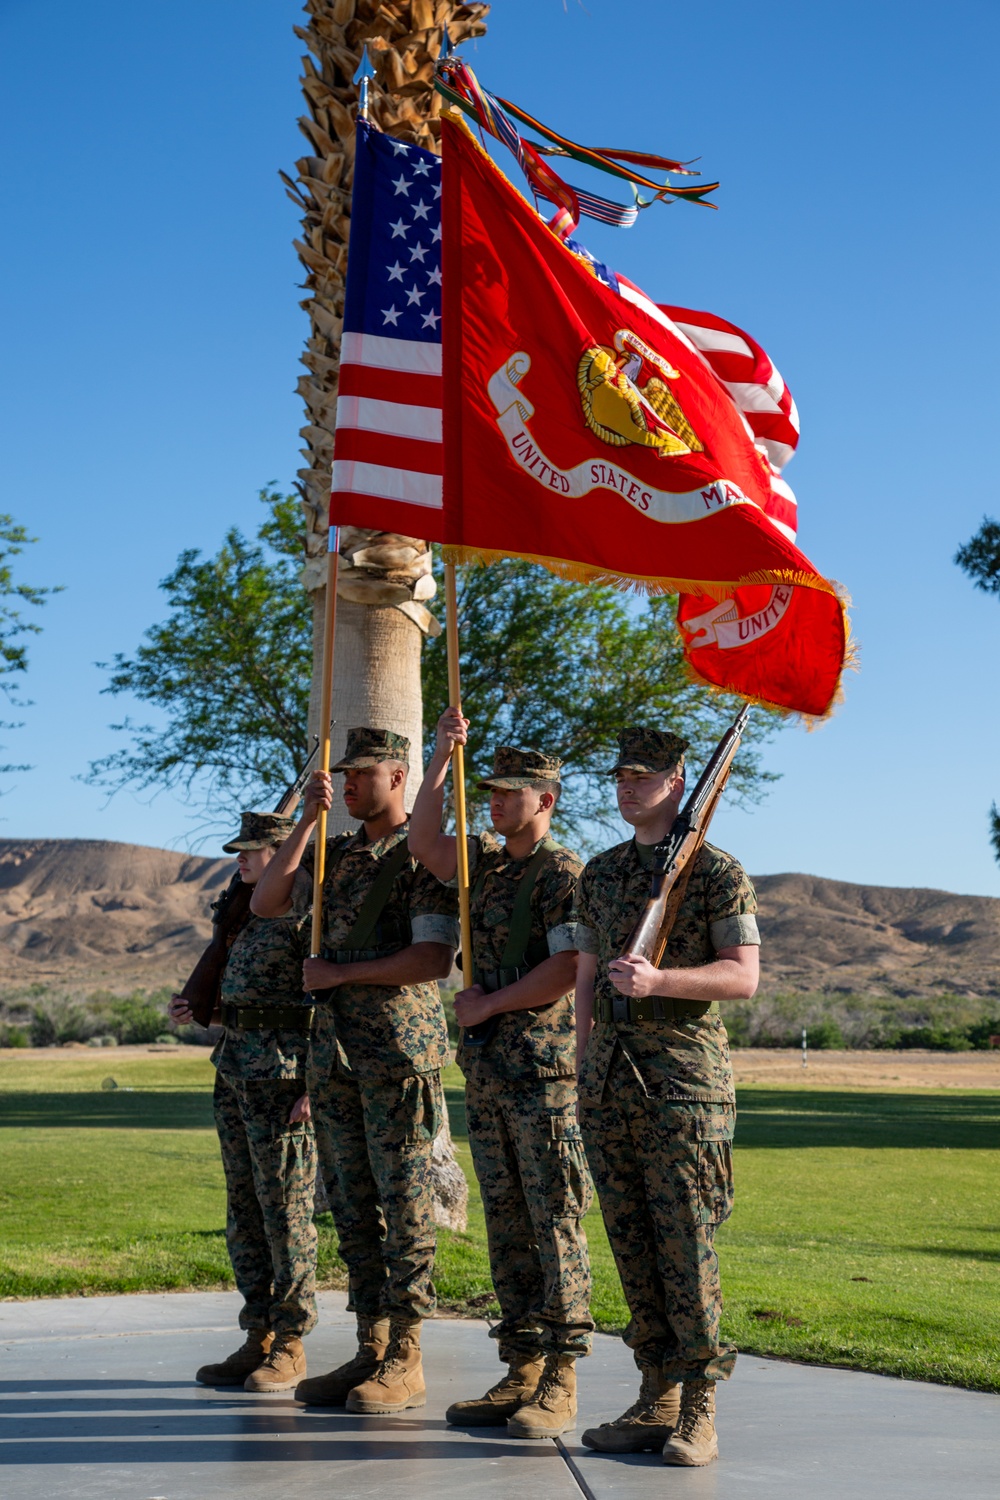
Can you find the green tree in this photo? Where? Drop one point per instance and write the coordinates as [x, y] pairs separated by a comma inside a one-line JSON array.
[[229, 671], [979, 559], [544, 662], [13, 625], [562, 666]]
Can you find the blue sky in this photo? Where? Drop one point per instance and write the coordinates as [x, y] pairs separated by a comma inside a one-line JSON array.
[[152, 332]]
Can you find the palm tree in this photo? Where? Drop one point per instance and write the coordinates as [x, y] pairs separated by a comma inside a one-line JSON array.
[[385, 579]]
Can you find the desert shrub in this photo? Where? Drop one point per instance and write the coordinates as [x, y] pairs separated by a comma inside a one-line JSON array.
[[825, 1035], [137, 1018], [12, 1035], [58, 1019]]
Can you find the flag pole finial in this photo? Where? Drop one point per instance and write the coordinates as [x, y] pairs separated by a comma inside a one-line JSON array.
[[447, 46], [363, 73]]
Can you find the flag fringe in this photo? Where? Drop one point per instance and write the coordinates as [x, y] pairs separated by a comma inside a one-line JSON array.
[[637, 583]]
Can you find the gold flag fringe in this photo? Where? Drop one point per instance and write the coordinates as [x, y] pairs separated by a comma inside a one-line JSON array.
[[580, 572]]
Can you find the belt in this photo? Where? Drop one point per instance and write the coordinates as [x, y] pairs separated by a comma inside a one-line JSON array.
[[268, 1017], [356, 955], [499, 979], [651, 1008]]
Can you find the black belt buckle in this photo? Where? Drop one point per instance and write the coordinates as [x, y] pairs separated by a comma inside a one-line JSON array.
[[619, 1008], [478, 1036]]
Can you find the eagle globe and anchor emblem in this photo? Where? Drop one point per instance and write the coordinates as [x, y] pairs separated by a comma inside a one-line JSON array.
[[619, 410]]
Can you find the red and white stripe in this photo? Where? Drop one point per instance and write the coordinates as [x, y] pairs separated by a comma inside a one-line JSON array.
[[388, 438], [758, 391]]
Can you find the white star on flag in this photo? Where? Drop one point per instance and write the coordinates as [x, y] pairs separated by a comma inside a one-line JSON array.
[[401, 185], [421, 209], [431, 319], [421, 168], [399, 228], [395, 272], [390, 315], [434, 277], [413, 295], [399, 147], [418, 252]]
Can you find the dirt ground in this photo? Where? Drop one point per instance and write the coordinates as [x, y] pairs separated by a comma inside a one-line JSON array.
[[911, 1069]]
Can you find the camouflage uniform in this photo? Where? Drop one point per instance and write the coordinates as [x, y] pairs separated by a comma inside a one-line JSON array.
[[270, 1165], [658, 1107], [520, 1098], [374, 1069]]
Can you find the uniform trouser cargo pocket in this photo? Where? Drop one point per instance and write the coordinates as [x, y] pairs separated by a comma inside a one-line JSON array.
[[567, 1141]]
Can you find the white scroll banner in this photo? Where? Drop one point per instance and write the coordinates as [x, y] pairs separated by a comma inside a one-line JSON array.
[[514, 413]]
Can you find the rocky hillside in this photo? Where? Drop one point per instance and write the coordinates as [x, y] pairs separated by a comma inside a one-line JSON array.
[[89, 912], [86, 912]]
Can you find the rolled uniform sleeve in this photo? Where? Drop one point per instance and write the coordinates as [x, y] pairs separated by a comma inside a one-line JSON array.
[[731, 903], [433, 910], [555, 895]]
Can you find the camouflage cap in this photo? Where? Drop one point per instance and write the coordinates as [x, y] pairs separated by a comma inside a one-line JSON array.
[[260, 830], [367, 747], [648, 750], [515, 768]]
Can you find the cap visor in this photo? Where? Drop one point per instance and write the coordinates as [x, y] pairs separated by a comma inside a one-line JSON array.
[[245, 846]]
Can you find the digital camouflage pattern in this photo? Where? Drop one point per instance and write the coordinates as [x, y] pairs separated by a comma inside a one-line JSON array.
[[516, 768], [367, 747], [663, 1171], [375, 1141], [527, 1043], [264, 967], [270, 1169], [378, 1031], [686, 1059], [648, 750], [528, 1154], [259, 830]]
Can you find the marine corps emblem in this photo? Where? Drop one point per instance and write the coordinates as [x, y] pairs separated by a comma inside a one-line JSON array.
[[620, 410]]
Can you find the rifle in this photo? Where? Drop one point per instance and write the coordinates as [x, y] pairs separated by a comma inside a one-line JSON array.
[[674, 857], [201, 989]]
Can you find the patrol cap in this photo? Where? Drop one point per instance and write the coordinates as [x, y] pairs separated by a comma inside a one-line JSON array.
[[648, 750], [515, 768], [259, 830], [367, 747]]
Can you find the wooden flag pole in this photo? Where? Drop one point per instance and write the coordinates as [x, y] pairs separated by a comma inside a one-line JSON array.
[[325, 711], [458, 775]]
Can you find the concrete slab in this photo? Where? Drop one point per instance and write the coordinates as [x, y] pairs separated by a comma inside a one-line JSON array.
[[96, 1400]]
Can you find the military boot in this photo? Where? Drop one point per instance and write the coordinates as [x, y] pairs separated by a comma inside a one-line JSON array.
[[552, 1409], [283, 1368], [693, 1441], [647, 1424], [235, 1368], [503, 1399], [397, 1382], [332, 1389]]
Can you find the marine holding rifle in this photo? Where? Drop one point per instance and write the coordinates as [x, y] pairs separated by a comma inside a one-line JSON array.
[[268, 1146], [379, 1041], [517, 1052], [657, 1103]]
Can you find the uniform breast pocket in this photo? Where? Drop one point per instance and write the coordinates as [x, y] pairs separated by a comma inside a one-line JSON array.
[[715, 1163]]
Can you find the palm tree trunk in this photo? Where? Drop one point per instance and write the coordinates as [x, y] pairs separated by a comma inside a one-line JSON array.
[[385, 579]]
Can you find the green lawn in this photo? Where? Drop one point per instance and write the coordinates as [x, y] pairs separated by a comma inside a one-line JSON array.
[[866, 1231]]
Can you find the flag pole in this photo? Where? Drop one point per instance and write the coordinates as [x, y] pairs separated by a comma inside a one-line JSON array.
[[325, 713], [458, 775]]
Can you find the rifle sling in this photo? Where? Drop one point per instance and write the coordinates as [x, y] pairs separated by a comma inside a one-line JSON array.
[[374, 903], [519, 937]]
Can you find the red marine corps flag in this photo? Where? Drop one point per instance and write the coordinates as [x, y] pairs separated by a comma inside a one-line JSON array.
[[575, 423]]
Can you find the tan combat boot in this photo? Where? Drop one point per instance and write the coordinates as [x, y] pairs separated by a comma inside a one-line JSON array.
[[283, 1368], [647, 1424], [503, 1399], [332, 1389], [398, 1379], [693, 1441], [235, 1368], [552, 1409]]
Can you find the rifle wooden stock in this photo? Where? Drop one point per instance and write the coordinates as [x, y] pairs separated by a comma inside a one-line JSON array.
[[203, 985], [674, 858]]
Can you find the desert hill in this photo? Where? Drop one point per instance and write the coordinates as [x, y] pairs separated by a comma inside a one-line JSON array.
[[93, 913], [97, 913]]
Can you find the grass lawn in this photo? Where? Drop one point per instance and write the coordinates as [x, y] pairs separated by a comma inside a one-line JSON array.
[[866, 1230]]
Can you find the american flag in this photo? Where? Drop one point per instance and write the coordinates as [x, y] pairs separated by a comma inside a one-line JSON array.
[[388, 438]]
